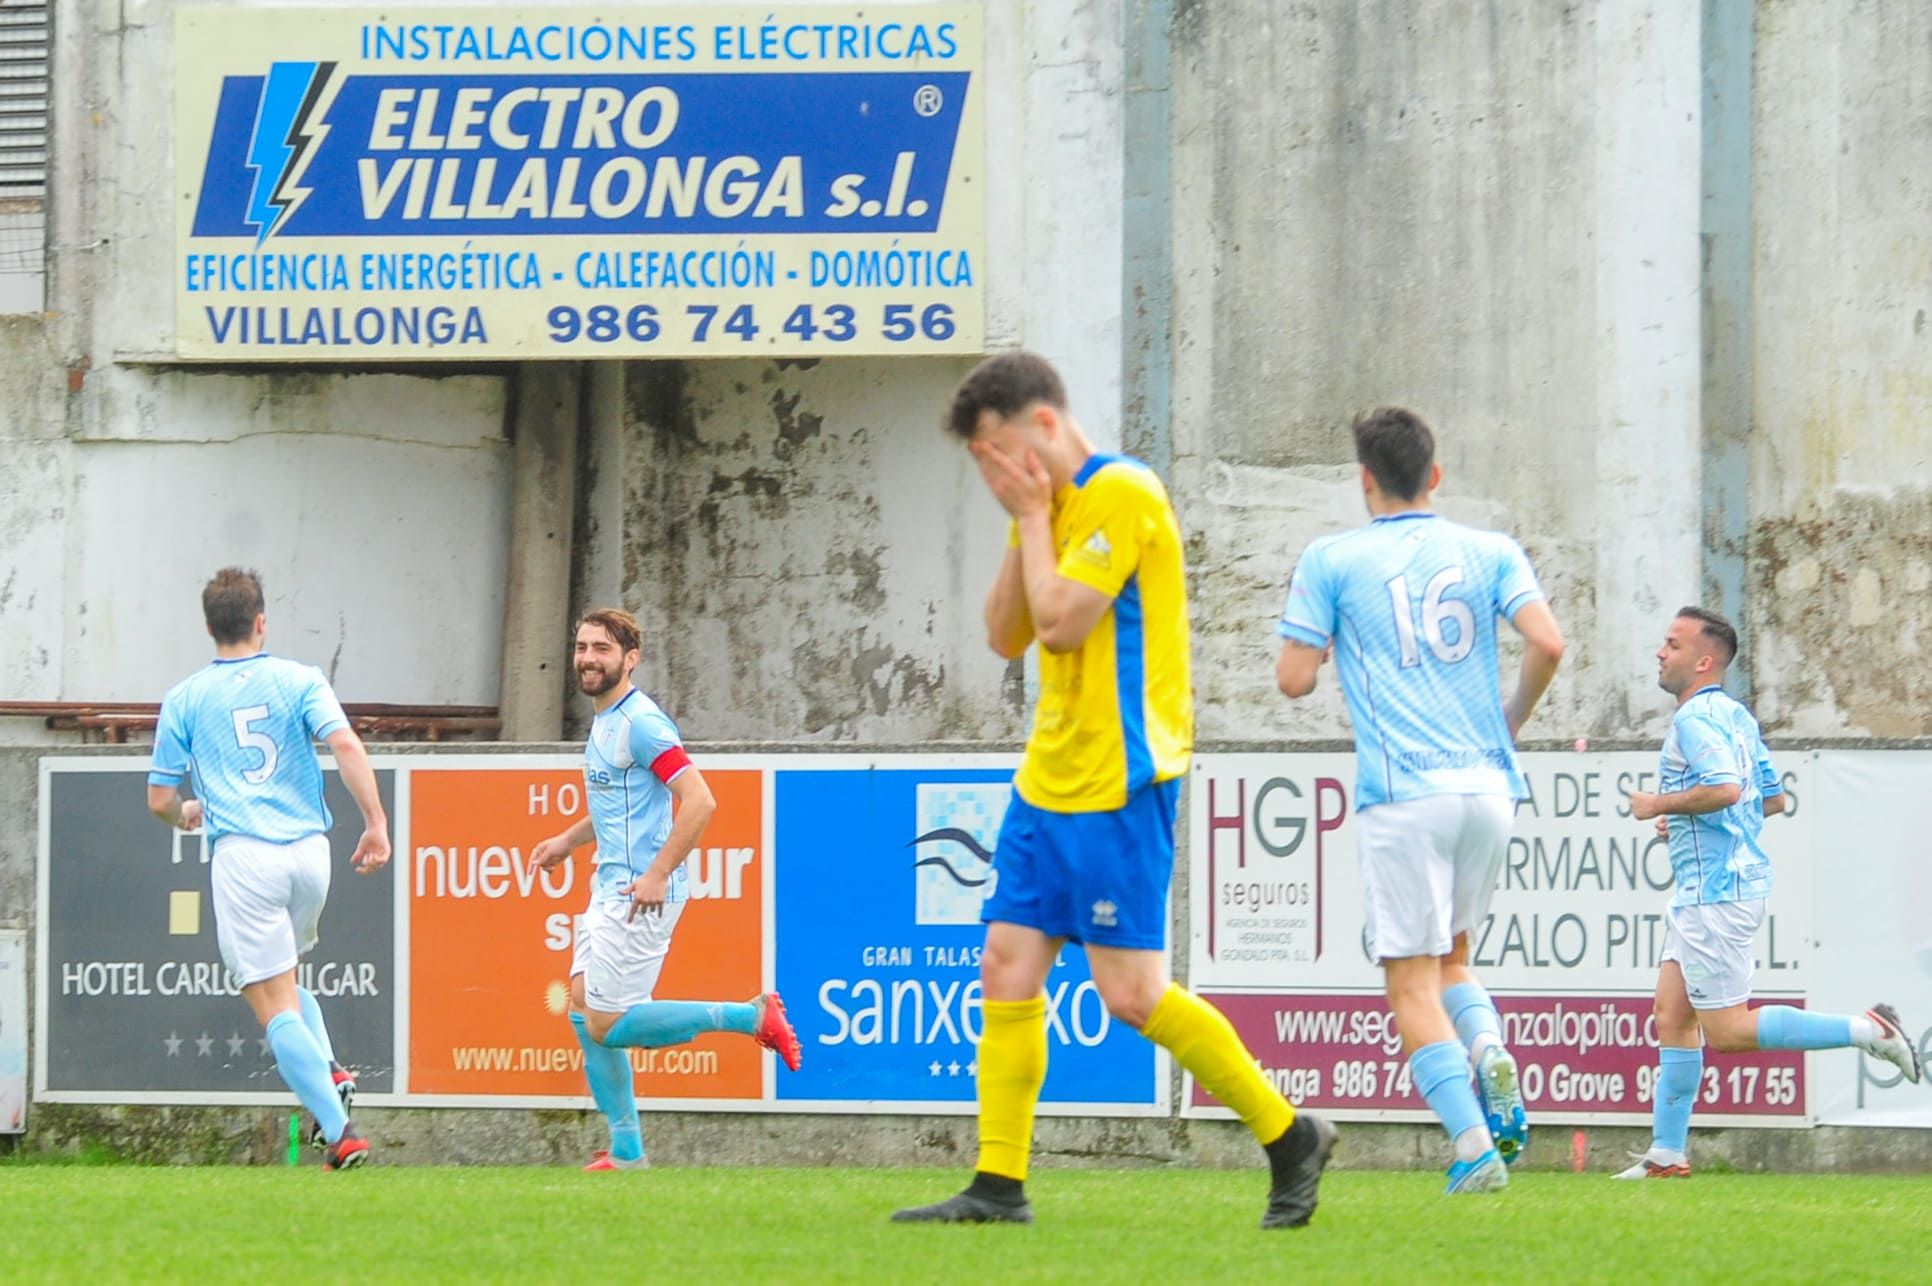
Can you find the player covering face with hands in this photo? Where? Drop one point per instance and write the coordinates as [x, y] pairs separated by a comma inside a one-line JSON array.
[[1092, 573]]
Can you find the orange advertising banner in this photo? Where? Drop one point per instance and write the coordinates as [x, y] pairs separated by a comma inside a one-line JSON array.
[[490, 941]]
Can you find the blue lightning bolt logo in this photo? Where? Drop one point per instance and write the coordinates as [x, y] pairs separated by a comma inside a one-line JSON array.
[[282, 138]]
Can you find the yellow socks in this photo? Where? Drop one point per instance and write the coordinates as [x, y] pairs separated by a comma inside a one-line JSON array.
[[1204, 1042], [1012, 1067]]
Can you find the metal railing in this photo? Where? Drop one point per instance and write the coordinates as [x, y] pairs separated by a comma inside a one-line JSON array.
[[115, 720]]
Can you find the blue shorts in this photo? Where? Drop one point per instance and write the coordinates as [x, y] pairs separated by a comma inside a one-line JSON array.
[[1088, 877]]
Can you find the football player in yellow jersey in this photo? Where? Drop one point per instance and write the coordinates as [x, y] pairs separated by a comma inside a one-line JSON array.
[[1094, 574]]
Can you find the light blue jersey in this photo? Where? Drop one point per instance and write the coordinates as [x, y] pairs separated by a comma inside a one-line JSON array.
[[247, 729], [633, 755], [1411, 603], [1715, 857]]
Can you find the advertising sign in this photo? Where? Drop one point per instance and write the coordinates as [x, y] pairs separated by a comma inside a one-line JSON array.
[[880, 875], [1874, 930], [134, 1003], [490, 939], [13, 1031], [649, 181], [1570, 949]]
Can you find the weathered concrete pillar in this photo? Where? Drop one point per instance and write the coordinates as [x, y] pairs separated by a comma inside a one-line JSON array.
[[1649, 533], [1729, 38], [600, 503], [543, 505]]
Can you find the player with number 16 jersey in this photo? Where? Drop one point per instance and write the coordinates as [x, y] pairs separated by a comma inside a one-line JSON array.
[[1408, 605]]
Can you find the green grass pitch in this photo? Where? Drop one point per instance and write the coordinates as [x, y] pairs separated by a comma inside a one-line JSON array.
[[525, 1225]]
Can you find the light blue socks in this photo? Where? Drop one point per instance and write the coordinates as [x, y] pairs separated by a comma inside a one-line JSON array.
[[1441, 1073], [305, 1070], [1782, 1027], [1474, 1015], [657, 1023], [312, 1019], [1679, 1072], [608, 1070]]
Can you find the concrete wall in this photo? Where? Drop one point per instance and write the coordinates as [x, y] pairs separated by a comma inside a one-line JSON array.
[[1495, 216], [807, 552], [1489, 216], [1841, 408], [375, 505]]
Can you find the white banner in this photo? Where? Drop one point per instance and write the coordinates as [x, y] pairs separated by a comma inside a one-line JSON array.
[[13, 1031], [1276, 895], [1874, 925], [1570, 948]]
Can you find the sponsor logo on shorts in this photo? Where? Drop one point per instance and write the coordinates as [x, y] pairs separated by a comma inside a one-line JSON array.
[[1106, 915]]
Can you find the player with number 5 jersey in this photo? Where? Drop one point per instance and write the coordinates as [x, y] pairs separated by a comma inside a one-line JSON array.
[[246, 728], [1408, 606]]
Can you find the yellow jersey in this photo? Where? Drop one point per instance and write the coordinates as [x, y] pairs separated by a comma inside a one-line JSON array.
[[1117, 713]]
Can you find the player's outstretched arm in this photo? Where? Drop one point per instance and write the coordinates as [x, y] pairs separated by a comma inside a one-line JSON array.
[[1009, 626], [695, 805], [1542, 653], [352, 762]]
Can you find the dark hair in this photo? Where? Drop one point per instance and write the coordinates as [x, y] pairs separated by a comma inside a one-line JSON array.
[[1716, 628], [230, 603], [1004, 384], [1398, 449], [618, 623]]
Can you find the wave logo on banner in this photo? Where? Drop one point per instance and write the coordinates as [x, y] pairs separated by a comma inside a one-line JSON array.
[[311, 150], [959, 828]]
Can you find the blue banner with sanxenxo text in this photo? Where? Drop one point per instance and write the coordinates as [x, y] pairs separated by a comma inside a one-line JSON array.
[[880, 876], [657, 182]]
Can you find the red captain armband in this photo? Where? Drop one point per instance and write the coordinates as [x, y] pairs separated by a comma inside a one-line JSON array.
[[668, 765]]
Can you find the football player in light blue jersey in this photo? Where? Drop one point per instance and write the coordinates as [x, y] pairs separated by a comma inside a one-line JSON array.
[[246, 727], [1716, 785], [635, 765], [1408, 606]]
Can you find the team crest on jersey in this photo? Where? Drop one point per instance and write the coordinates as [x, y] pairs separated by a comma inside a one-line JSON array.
[[1098, 550]]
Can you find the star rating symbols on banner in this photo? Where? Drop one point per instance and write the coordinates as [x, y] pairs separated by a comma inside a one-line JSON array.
[[205, 1045]]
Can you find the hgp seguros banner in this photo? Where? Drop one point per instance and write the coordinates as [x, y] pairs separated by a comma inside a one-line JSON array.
[[1570, 949], [555, 182]]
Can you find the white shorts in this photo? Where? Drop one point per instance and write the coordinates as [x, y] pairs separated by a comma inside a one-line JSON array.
[[1713, 946], [268, 901], [1429, 869], [619, 958]]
